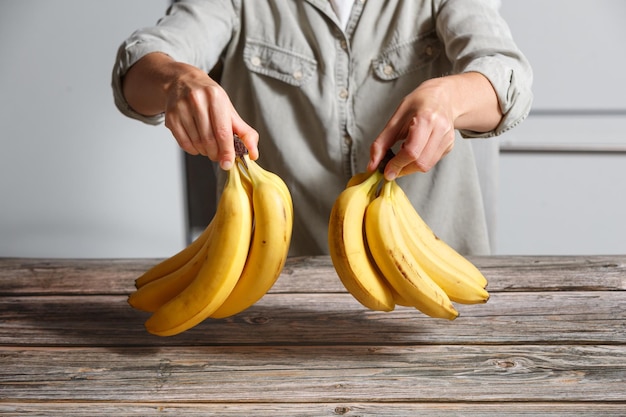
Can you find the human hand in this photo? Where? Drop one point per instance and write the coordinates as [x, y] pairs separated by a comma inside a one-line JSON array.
[[202, 118], [424, 122]]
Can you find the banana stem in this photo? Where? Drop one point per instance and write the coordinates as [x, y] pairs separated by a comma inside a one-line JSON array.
[[386, 189], [383, 163], [240, 150]]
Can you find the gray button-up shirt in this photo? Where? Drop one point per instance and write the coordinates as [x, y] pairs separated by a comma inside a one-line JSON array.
[[319, 95]]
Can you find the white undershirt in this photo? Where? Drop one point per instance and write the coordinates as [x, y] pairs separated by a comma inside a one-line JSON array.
[[342, 8]]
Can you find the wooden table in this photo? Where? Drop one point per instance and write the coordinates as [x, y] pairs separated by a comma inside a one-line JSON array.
[[551, 341]]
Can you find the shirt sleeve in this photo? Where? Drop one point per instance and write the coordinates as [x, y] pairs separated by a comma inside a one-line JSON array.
[[192, 31], [478, 39]]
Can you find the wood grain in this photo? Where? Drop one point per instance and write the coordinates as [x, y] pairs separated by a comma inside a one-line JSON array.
[[316, 374], [347, 409], [311, 274], [551, 341], [333, 319]]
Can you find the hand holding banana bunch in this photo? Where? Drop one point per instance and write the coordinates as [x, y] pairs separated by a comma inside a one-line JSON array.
[[232, 264], [384, 254]]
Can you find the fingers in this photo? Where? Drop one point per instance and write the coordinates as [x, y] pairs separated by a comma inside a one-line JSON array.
[[224, 125], [390, 134], [221, 131], [417, 137], [203, 120], [200, 124], [426, 137], [427, 141], [248, 135], [182, 126]]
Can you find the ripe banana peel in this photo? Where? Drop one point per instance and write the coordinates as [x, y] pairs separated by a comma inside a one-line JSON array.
[[152, 295], [175, 262], [232, 264], [273, 214], [221, 269], [382, 250], [387, 242], [389, 248], [452, 272], [348, 247]]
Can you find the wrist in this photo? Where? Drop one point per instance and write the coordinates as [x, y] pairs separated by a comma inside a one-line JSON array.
[[475, 102]]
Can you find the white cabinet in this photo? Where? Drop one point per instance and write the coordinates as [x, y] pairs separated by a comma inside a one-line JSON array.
[[563, 171]]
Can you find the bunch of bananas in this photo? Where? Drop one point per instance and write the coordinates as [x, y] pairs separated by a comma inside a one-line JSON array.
[[232, 264], [386, 255]]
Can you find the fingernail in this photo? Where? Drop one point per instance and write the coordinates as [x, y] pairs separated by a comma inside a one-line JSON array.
[[390, 175], [226, 165]]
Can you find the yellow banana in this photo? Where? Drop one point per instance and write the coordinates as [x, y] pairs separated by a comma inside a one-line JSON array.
[[402, 271], [278, 182], [399, 299], [439, 252], [273, 223], [152, 295], [174, 262], [225, 259], [358, 178], [348, 249], [456, 283]]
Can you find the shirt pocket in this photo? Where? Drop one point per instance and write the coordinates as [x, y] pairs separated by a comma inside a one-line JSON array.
[[406, 57], [282, 64]]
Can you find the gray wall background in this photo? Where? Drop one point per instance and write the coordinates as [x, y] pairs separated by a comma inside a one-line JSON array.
[[77, 179], [563, 171]]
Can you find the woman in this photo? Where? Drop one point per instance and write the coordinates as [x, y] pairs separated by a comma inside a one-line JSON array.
[[318, 94]]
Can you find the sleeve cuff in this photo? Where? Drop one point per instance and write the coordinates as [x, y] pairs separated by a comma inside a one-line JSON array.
[[514, 97]]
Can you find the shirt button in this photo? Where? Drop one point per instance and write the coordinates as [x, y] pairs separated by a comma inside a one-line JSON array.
[[388, 69], [347, 140], [343, 44], [297, 75], [429, 50], [343, 93], [256, 61]]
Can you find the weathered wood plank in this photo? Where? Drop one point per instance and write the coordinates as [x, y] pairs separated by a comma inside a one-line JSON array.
[[310, 274], [329, 319], [554, 273], [70, 276], [551, 341], [510, 409], [316, 374]]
